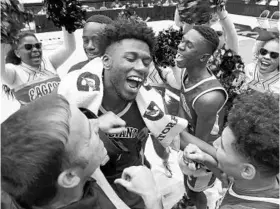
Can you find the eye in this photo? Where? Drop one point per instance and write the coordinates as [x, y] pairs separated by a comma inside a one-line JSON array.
[[130, 58], [85, 40], [147, 62]]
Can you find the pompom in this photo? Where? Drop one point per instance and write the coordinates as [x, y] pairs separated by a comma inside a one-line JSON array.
[[13, 19], [199, 11], [66, 13], [166, 47], [228, 67]]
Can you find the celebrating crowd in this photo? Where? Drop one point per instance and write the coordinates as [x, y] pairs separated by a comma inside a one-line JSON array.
[[79, 141]]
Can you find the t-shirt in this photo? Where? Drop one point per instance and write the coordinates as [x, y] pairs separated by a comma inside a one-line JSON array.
[[271, 84], [266, 199], [78, 66]]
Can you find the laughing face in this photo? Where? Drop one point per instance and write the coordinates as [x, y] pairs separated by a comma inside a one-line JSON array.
[[266, 62], [33, 56], [127, 66]]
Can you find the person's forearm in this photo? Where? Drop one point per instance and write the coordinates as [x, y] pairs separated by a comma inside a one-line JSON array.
[[177, 75], [186, 138], [172, 81], [229, 29], [7, 76], [64, 52]]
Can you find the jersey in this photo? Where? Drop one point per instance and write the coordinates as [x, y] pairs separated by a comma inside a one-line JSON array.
[[32, 83], [125, 149], [188, 98], [78, 66], [271, 84], [190, 95], [267, 199]]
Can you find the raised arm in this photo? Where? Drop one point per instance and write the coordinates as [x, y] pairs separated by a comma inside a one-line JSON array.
[[229, 29], [8, 73], [64, 52]]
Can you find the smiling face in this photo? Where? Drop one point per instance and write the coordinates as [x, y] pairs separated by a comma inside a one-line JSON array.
[[266, 63], [190, 49], [229, 160], [84, 142], [90, 33], [127, 66], [33, 56]]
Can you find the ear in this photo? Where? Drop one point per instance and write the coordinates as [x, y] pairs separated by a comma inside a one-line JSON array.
[[248, 171], [17, 53], [205, 57], [107, 61], [68, 178]]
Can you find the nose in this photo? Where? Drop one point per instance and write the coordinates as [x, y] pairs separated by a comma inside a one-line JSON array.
[[267, 56], [181, 46], [90, 45], [141, 68]]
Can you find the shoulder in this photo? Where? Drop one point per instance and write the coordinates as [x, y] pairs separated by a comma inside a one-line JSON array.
[[210, 102], [10, 66], [78, 66]]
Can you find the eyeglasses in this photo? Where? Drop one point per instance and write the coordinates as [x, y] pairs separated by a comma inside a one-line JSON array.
[[30, 46], [273, 55]]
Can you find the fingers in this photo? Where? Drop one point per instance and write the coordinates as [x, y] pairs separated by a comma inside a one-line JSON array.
[[116, 130], [117, 121], [123, 183]]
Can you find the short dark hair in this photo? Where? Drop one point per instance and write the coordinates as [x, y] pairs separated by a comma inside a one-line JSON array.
[[254, 121], [209, 35], [126, 29], [102, 19], [32, 150]]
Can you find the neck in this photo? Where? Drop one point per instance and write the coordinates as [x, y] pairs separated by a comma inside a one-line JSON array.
[[196, 74], [257, 184], [65, 196], [111, 100], [266, 75], [36, 66]]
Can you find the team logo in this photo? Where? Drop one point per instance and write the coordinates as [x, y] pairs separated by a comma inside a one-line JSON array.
[[88, 82], [153, 112]]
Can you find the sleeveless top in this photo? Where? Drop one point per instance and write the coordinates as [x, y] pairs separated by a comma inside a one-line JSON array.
[[253, 81], [125, 148], [190, 95], [36, 82]]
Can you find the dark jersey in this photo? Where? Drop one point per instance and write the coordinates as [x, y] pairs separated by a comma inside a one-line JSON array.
[[266, 199], [124, 149], [190, 95]]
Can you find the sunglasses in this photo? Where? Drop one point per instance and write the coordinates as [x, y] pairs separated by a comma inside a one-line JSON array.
[[30, 46], [273, 55]]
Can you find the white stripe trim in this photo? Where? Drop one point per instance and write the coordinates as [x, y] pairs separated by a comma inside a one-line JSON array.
[[197, 84], [208, 90], [260, 199], [120, 114], [171, 94]]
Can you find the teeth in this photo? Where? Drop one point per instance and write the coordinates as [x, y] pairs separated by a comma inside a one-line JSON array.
[[134, 78]]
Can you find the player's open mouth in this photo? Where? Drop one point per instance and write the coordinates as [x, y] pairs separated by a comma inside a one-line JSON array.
[[179, 57], [134, 82]]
